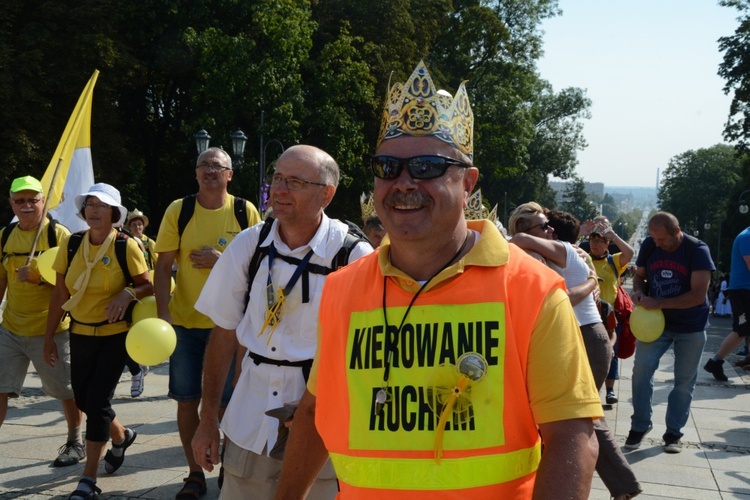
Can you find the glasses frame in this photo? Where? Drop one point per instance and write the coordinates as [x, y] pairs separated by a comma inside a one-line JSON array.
[[23, 201], [217, 168], [544, 225], [96, 206], [413, 168], [277, 179]]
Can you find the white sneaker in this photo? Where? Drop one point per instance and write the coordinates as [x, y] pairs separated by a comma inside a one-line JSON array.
[[136, 383]]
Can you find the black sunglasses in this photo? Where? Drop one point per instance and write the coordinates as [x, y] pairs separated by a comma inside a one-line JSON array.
[[419, 167], [544, 225]]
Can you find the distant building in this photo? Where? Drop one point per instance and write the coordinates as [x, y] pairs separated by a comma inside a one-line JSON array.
[[595, 190]]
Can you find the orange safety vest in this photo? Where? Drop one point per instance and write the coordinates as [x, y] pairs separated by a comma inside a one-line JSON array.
[[495, 450]]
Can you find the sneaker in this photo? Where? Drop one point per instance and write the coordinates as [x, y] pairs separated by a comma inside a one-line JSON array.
[[136, 383], [611, 398], [672, 443], [715, 368], [70, 454], [634, 438]]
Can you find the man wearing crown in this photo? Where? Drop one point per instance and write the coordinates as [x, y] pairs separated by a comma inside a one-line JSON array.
[[432, 372]]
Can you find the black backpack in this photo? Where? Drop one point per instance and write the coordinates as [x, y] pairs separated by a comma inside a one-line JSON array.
[[339, 260], [51, 237], [188, 209]]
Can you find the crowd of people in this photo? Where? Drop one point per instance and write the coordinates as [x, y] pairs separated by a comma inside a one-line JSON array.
[[411, 360]]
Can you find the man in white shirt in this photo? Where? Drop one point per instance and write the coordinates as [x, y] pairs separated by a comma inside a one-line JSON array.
[[278, 326]]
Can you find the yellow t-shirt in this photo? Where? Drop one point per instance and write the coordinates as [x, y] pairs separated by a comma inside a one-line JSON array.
[[215, 228], [608, 287], [150, 255], [107, 280], [27, 304]]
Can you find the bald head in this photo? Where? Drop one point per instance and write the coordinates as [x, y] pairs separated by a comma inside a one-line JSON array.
[[326, 165]]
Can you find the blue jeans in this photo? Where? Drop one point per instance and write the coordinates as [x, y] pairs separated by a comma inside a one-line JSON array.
[[186, 366], [688, 348]]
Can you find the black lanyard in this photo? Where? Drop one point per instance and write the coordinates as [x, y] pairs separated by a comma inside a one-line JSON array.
[[382, 395], [270, 297]]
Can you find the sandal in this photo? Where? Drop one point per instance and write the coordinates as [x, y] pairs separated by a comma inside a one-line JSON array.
[[111, 462], [194, 487], [86, 495]]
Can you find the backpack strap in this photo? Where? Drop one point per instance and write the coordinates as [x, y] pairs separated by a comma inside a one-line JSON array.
[[74, 242], [6, 234], [121, 253], [258, 255], [51, 233], [186, 213], [611, 261], [240, 212]]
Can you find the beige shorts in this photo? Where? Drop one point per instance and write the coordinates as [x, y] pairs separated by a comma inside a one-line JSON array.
[[247, 471], [15, 354]]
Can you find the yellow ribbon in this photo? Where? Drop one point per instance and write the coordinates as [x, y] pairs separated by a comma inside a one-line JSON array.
[[273, 316], [458, 389]]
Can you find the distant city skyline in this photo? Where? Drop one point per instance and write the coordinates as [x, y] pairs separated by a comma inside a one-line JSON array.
[[650, 69]]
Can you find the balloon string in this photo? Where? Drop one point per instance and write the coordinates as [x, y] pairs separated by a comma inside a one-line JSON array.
[[463, 383]]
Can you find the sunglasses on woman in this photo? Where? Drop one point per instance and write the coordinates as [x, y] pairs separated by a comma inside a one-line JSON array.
[[419, 167]]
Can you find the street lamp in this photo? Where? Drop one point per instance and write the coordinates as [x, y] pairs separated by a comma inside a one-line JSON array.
[[202, 139], [238, 138], [743, 206]]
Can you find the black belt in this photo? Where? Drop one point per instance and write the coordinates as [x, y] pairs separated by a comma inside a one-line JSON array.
[[305, 364]]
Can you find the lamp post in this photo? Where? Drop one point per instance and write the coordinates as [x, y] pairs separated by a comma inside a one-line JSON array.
[[238, 138], [743, 206], [262, 172]]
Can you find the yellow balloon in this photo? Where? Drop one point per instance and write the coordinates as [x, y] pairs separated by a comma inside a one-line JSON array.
[[151, 277], [144, 309], [647, 324], [44, 264], [151, 341]]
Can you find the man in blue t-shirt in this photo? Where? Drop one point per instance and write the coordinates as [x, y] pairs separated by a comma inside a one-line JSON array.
[[739, 297], [674, 272]]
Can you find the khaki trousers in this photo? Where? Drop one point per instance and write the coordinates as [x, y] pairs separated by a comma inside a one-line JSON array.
[[249, 475]]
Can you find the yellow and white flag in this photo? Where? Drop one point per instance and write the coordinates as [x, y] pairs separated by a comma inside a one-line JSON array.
[[71, 167]]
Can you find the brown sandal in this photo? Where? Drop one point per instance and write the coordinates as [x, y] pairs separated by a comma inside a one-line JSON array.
[[194, 487]]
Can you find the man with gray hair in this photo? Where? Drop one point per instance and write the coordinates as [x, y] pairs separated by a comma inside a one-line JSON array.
[[264, 292], [194, 232]]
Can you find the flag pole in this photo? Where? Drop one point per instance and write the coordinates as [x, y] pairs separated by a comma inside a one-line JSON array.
[[44, 213]]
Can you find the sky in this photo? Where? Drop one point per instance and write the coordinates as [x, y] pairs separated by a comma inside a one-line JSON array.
[[650, 70]]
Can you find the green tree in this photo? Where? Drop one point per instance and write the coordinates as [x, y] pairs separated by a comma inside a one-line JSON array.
[[577, 201], [695, 183], [609, 207]]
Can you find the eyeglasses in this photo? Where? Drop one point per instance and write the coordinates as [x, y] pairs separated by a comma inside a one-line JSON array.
[[96, 206], [544, 225], [292, 183], [419, 167], [213, 166], [24, 201]]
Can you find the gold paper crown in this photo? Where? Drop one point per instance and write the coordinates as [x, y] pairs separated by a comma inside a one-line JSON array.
[[417, 108], [475, 209], [367, 205]]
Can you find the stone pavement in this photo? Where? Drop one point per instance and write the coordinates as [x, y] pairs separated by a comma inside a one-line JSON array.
[[714, 464]]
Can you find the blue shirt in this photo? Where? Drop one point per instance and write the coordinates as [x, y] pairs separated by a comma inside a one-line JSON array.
[[739, 277], [669, 275]]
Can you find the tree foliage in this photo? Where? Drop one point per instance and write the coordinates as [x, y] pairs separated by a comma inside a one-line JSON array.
[[318, 71], [577, 202]]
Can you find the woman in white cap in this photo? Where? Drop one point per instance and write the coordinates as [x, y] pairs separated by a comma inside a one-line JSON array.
[[92, 285]]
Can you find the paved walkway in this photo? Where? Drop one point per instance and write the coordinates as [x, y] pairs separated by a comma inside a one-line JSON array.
[[714, 464]]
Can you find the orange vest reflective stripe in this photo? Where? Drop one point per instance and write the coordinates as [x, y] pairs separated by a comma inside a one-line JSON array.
[[492, 451]]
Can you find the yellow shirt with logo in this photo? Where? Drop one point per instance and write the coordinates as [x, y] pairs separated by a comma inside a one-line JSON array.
[[107, 280], [608, 287], [27, 304], [214, 228]]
